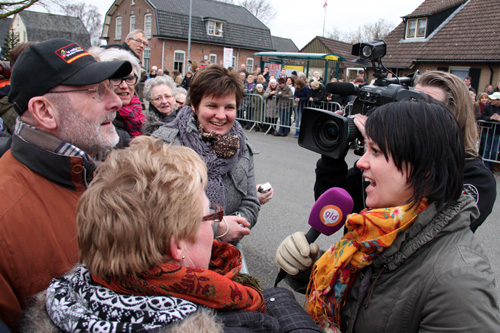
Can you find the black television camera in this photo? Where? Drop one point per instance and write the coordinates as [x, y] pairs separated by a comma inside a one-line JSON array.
[[328, 133]]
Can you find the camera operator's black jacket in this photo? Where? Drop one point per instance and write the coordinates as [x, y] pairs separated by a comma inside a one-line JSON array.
[[478, 183]]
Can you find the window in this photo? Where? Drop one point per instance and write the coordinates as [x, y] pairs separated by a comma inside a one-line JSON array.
[[250, 65], [461, 72], [234, 62], [214, 28], [132, 22], [416, 28], [213, 58], [118, 28], [147, 24], [179, 58], [147, 57]]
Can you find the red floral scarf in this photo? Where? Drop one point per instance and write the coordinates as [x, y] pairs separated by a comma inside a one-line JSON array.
[[215, 287]]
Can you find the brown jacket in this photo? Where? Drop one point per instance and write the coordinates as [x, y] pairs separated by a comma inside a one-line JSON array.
[[39, 191]]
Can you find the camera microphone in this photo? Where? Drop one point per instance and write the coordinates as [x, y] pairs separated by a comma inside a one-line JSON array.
[[327, 216], [342, 88]]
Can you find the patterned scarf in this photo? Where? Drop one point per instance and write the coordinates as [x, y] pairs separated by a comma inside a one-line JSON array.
[[224, 146], [190, 136], [370, 233], [133, 117], [216, 287], [75, 303]]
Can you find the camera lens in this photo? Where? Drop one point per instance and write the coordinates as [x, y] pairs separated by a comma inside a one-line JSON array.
[[327, 134], [330, 132], [367, 51]]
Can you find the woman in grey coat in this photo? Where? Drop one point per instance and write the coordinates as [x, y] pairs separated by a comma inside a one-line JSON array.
[[409, 262], [208, 126]]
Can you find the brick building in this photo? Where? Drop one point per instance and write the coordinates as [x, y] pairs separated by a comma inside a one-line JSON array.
[[215, 26]]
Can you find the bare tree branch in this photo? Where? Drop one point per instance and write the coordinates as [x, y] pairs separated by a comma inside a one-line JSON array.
[[8, 8], [262, 9], [367, 32], [90, 16]]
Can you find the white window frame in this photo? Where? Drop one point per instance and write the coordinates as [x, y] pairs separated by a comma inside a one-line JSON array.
[[132, 22], [118, 28], [148, 24], [214, 28], [213, 58], [250, 63], [177, 60], [416, 31], [146, 57], [461, 72]]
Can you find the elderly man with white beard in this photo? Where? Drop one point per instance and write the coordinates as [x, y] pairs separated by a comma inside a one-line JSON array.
[[66, 107]]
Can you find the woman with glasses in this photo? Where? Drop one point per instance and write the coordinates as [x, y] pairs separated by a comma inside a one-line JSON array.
[[208, 126], [149, 260], [129, 119], [160, 93]]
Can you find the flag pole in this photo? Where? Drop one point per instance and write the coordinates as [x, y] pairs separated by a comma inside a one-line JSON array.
[[324, 17]]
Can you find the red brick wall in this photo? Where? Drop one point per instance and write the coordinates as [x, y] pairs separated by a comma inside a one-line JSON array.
[[168, 47]]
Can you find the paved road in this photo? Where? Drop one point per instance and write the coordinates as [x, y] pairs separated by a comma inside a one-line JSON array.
[[290, 169]]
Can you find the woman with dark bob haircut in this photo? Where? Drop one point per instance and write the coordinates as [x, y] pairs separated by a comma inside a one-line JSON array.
[[409, 262], [207, 125]]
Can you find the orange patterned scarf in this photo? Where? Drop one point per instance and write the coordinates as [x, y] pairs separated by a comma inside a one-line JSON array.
[[370, 233], [215, 287]]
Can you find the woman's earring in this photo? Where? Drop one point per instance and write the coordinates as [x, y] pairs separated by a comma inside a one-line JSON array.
[[183, 257]]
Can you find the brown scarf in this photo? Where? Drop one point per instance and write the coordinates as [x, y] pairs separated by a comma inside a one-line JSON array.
[[224, 146]]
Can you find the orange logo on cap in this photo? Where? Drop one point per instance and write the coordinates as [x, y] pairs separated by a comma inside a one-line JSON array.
[[331, 215], [71, 52]]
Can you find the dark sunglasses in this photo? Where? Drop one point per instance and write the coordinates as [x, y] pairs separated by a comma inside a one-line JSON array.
[[216, 213]]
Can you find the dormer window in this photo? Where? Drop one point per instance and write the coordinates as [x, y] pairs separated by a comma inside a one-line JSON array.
[[415, 28], [214, 28]]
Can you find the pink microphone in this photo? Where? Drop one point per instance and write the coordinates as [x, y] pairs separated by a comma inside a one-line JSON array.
[[327, 216]]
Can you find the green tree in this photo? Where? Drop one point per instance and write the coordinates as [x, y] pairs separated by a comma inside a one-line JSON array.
[[10, 41]]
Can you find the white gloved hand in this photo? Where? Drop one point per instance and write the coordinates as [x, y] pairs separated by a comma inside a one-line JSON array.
[[294, 254]]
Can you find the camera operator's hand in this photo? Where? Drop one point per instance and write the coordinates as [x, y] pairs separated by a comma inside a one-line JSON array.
[[294, 254], [360, 122], [236, 227]]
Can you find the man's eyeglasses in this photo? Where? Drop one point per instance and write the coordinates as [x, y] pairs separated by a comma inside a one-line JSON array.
[[216, 213], [100, 90], [129, 80], [140, 41], [161, 97]]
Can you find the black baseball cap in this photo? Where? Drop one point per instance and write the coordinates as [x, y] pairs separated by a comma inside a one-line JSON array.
[[48, 64]]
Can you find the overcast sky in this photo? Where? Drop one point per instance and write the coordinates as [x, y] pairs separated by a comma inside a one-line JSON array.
[[302, 20]]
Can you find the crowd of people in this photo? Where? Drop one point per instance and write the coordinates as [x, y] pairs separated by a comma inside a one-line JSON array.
[[133, 202]]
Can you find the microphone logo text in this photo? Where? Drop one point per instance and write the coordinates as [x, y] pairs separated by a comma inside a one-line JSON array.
[[331, 215]]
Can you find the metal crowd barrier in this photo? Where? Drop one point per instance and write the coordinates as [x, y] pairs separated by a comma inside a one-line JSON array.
[[271, 114], [489, 140]]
